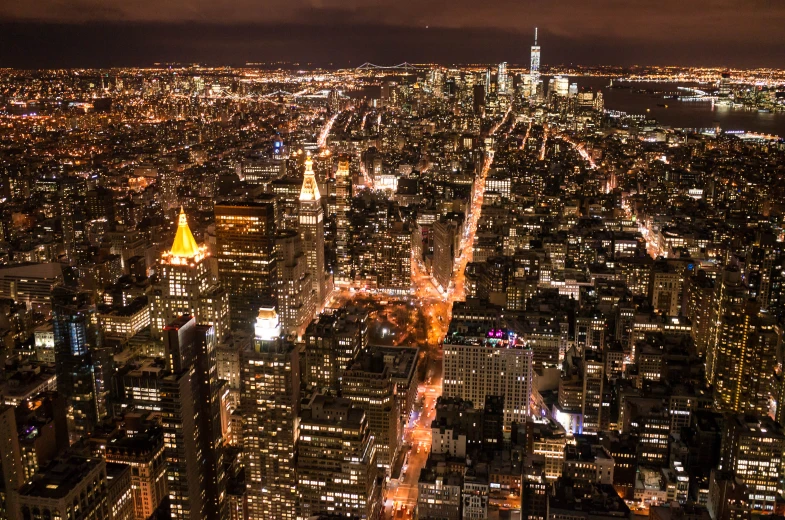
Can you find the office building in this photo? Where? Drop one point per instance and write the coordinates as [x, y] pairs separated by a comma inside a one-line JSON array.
[[332, 341], [296, 299], [311, 220], [187, 285], [269, 406], [190, 417], [752, 448], [343, 197], [477, 365], [336, 460], [77, 342], [245, 252]]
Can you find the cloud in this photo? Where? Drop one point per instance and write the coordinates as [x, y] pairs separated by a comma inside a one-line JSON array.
[[638, 20]]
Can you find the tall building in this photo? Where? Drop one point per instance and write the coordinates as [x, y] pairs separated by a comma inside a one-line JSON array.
[[296, 301], [77, 338], [187, 285], [311, 219], [245, 251], [752, 448], [742, 353], [270, 405], [492, 362], [336, 460], [144, 452], [445, 232], [53, 492], [534, 67], [332, 341], [343, 197], [394, 259], [367, 383], [501, 78], [190, 417], [593, 379]]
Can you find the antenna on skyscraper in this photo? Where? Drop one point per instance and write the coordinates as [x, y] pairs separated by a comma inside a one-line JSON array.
[[535, 36]]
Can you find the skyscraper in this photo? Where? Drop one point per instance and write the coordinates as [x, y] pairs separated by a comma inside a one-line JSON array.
[[534, 67], [77, 336], [311, 219], [336, 460], [332, 341], [485, 363], [742, 352], [296, 301], [501, 78], [190, 417], [343, 195], [245, 250], [187, 285], [269, 404]]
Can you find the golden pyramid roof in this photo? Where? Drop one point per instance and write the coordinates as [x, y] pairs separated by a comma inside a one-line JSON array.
[[184, 245], [310, 189]]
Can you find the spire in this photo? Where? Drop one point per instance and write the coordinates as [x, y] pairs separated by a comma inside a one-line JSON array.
[[310, 189], [535, 36], [184, 245]]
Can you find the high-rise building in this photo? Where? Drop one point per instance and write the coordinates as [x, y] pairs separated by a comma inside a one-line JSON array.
[[491, 362], [332, 341], [742, 352], [336, 460], [245, 251], [77, 338], [270, 405], [445, 232], [65, 482], [190, 416], [501, 78], [394, 259], [593, 379], [311, 220], [187, 285], [296, 302], [343, 197], [144, 452], [534, 67], [752, 448], [367, 383]]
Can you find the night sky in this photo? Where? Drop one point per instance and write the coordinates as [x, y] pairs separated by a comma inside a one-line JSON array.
[[54, 33]]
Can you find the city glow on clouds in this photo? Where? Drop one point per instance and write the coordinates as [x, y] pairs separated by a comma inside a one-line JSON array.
[[667, 20]]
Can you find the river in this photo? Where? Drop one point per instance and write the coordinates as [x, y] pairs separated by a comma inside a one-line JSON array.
[[680, 114]]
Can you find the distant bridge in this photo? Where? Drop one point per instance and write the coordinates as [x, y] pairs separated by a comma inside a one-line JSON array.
[[400, 66]]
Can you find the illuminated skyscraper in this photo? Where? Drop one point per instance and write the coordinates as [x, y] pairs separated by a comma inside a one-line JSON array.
[[753, 448], [245, 250], [479, 364], [190, 416], [501, 78], [534, 67], [336, 460], [311, 219], [332, 341], [187, 285], [77, 337], [296, 301], [343, 195], [742, 352], [270, 405]]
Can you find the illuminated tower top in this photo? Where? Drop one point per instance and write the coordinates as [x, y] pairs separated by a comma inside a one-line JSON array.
[[268, 325], [310, 189], [184, 245], [534, 69]]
